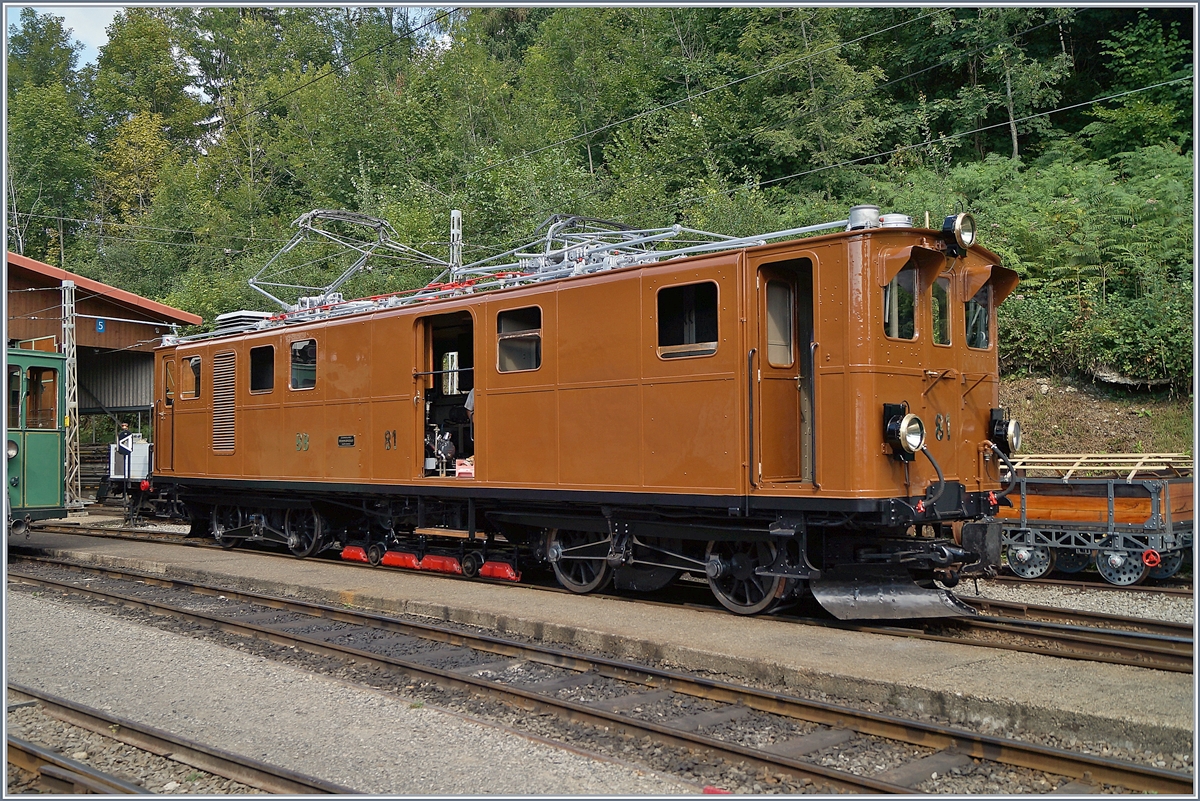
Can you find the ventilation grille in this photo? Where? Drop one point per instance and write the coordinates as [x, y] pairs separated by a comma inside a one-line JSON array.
[[223, 397]]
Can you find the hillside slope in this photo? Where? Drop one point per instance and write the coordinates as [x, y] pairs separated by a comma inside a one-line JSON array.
[[1062, 416]]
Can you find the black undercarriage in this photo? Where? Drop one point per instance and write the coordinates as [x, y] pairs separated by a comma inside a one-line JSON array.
[[754, 552]]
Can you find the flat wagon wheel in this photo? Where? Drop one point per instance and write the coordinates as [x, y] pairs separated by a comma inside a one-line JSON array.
[[304, 529], [1030, 561], [223, 519], [735, 583], [579, 559], [1169, 566], [1123, 568], [1071, 561]]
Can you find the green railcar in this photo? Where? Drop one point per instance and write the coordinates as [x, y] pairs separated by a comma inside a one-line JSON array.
[[36, 437]]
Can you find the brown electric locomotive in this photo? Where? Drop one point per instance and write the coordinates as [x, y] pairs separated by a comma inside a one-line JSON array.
[[815, 412]]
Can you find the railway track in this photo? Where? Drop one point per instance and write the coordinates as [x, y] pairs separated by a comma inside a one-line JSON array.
[[1027, 628], [1081, 584], [62, 775], [619, 696]]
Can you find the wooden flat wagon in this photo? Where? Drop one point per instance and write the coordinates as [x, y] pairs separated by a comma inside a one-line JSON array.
[[1129, 514]]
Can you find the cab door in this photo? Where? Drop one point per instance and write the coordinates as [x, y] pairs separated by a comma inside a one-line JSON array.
[[42, 449], [784, 376], [164, 432], [16, 435]]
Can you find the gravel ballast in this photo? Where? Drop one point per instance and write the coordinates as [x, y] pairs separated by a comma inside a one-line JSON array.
[[370, 741]]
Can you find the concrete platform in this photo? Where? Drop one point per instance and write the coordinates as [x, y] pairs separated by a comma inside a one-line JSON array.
[[1004, 692]]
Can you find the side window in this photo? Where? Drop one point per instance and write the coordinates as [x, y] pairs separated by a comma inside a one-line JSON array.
[[941, 311], [687, 320], [262, 368], [191, 378], [41, 393], [979, 317], [519, 340], [304, 364], [779, 323], [14, 397], [899, 305], [169, 382]]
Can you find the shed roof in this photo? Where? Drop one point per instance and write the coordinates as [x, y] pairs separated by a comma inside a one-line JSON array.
[[147, 306]]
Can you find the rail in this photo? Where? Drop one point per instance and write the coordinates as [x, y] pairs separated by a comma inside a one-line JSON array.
[[493, 654], [271, 778]]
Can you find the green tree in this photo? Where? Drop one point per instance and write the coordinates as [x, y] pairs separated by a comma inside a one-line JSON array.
[[40, 52], [140, 69], [49, 163]]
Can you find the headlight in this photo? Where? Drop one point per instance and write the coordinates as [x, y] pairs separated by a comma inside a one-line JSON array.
[[12, 449], [959, 232], [1005, 433], [906, 432], [1012, 436]]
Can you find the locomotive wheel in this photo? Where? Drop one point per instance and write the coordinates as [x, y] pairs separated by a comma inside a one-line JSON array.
[[1028, 561], [1123, 568], [581, 575], [375, 554], [1073, 561], [471, 564], [303, 528], [1169, 566], [736, 586], [223, 519]]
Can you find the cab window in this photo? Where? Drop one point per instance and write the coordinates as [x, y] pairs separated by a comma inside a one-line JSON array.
[[899, 305], [304, 364], [979, 317], [779, 323], [519, 340], [169, 383], [41, 398], [262, 368], [14, 397], [941, 311], [191, 378], [687, 320]]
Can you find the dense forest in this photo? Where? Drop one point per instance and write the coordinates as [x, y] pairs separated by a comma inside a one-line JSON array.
[[175, 164]]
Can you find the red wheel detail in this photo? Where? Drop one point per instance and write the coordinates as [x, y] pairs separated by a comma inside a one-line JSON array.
[[1151, 558]]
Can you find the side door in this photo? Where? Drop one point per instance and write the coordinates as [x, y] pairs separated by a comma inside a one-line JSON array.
[[784, 378], [164, 432], [16, 435], [43, 450]]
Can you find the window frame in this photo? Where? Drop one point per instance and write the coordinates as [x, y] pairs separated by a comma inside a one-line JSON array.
[[292, 364], [250, 370], [37, 422], [521, 334], [16, 421], [916, 293], [196, 372], [989, 307], [791, 323], [687, 350], [948, 315]]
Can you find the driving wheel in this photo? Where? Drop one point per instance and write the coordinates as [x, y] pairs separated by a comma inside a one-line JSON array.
[[1029, 561], [1070, 561], [303, 528], [579, 559], [1123, 568], [730, 567], [225, 518]]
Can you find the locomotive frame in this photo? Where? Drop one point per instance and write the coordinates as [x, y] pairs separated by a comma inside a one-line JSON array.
[[753, 415]]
